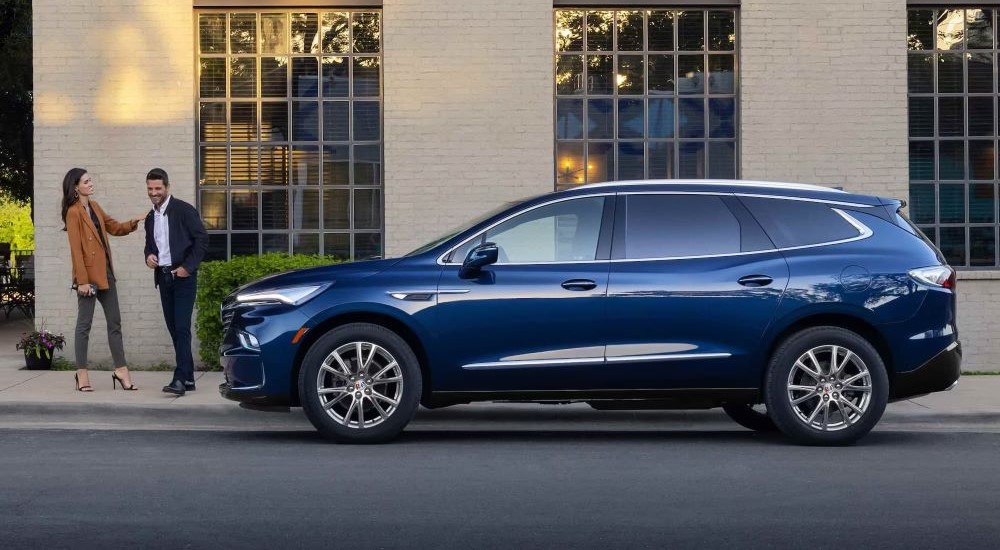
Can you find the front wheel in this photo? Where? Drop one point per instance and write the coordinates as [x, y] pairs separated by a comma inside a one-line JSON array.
[[826, 386], [360, 383]]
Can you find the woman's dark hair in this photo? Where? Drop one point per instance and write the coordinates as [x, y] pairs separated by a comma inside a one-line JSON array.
[[70, 196]]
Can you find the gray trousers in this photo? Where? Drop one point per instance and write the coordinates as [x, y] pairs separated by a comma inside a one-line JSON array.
[[85, 318]]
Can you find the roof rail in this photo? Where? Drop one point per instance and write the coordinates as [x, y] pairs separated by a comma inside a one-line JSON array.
[[747, 183]]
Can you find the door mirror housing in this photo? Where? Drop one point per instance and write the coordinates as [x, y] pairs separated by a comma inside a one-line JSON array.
[[482, 255]]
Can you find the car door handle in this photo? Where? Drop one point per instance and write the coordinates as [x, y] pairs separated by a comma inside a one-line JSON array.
[[579, 284], [755, 280]]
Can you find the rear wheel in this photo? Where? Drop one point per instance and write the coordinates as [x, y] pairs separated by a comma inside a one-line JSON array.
[[360, 383], [826, 386], [752, 417]]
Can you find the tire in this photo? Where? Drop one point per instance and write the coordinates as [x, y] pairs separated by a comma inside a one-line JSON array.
[[816, 401], [360, 383], [749, 417]]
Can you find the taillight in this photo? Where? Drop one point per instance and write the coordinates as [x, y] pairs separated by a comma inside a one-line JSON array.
[[939, 275]]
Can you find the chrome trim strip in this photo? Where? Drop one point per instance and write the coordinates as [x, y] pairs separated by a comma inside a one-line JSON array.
[[671, 357], [952, 346], [404, 294], [538, 363], [805, 199]]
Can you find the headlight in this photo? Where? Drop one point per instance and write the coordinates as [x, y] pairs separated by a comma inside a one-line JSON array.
[[291, 295]]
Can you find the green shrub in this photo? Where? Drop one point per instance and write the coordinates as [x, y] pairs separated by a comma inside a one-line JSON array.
[[216, 279]]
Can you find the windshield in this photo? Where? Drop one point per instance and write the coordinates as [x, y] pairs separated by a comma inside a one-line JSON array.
[[459, 229]]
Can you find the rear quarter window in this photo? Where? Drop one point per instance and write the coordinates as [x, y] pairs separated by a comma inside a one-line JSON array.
[[792, 223]]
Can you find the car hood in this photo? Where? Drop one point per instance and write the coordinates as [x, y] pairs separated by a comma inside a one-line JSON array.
[[319, 275]]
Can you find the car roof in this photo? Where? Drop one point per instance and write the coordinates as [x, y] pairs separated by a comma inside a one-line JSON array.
[[749, 187]]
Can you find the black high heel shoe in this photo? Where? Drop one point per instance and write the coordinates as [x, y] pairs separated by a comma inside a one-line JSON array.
[[115, 377], [76, 378]]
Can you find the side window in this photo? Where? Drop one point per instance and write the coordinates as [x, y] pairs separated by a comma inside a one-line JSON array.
[[799, 223], [669, 226], [559, 232]]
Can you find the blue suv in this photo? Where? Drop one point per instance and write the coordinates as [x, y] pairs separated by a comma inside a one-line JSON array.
[[793, 307]]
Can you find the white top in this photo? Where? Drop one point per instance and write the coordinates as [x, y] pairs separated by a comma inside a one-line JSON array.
[[161, 233]]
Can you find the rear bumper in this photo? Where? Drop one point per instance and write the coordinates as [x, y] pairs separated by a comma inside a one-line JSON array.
[[940, 373]]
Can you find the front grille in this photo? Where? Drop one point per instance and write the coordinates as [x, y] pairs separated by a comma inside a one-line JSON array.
[[227, 312]]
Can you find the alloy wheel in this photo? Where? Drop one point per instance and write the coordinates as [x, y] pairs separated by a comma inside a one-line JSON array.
[[359, 384], [829, 388]]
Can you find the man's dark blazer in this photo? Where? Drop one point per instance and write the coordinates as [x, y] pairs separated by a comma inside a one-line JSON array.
[[188, 239]]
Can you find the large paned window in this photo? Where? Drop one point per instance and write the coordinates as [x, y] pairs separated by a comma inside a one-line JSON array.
[[952, 81], [290, 132], [645, 94]]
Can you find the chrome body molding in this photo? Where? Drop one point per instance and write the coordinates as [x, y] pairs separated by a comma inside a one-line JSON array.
[[423, 295], [592, 360], [670, 357]]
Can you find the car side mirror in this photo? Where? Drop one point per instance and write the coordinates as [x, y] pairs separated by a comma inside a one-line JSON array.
[[482, 255]]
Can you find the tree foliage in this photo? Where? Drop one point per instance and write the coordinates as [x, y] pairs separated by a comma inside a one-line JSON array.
[[16, 162], [15, 223]]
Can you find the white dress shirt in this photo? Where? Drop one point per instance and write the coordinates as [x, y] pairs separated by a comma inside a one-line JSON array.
[[161, 233]]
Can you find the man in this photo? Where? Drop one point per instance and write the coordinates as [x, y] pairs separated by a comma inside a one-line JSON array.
[[175, 244]]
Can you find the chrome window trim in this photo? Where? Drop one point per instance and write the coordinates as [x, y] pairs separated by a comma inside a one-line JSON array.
[[805, 199]]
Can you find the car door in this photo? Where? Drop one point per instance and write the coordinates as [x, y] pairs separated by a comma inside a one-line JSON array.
[[534, 319], [694, 282]]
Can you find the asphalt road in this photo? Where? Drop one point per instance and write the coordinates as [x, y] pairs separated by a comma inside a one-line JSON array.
[[496, 489]]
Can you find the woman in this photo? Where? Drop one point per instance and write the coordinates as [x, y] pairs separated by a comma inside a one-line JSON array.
[[87, 226]]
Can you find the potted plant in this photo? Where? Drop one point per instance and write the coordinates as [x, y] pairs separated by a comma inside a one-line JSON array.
[[38, 346]]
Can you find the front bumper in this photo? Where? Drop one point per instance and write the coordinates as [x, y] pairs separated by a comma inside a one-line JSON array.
[[940, 373], [252, 398]]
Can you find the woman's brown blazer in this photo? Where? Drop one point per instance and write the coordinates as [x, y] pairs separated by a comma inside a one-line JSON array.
[[90, 262]]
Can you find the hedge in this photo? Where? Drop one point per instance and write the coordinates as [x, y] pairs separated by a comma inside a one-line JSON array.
[[216, 279]]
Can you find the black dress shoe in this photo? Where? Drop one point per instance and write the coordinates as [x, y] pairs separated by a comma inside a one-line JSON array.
[[189, 386], [176, 387]]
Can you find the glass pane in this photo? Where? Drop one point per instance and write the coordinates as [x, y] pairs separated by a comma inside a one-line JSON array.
[[274, 242], [950, 30], [691, 74], [305, 77], [274, 209], [952, 202], [691, 31], [243, 77], [600, 119], [274, 121], [661, 160], [367, 246], [980, 72], [692, 118], [630, 26], [243, 32], [721, 118], [569, 164], [305, 165], [366, 76], [336, 209], [274, 164], [336, 165], [569, 30], [981, 116], [922, 202], [722, 160], [952, 245], [920, 74], [979, 29], [692, 160], [305, 209], [212, 122], [245, 244], [951, 116], [982, 157], [336, 121], [366, 32], [274, 33], [243, 126], [631, 162], [335, 80], [368, 209], [367, 165], [921, 117], [722, 30], [599, 30], [569, 74], [920, 29], [367, 123], [630, 74], [212, 33], [274, 77], [950, 73], [243, 165], [244, 208], [305, 121], [951, 160], [600, 74], [600, 162], [569, 119], [661, 74], [212, 77], [305, 243], [305, 33], [336, 31], [983, 244], [921, 160], [661, 31], [337, 244], [213, 166], [213, 209], [630, 118], [982, 203], [217, 244], [721, 73], [661, 118]]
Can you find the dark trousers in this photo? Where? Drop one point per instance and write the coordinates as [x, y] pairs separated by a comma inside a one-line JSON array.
[[177, 298], [85, 317]]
